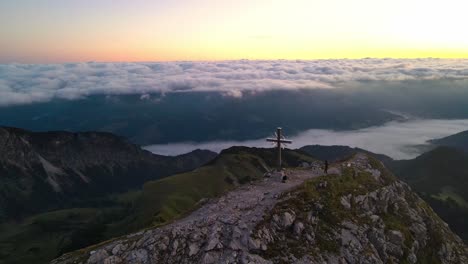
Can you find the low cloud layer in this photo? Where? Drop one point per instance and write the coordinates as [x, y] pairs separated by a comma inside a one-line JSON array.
[[399, 140], [24, 84]]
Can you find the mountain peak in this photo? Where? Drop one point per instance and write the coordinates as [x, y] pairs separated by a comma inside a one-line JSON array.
[[359, 213], [41, 171]]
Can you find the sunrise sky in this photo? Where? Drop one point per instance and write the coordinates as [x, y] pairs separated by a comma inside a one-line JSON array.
[[43, 31]]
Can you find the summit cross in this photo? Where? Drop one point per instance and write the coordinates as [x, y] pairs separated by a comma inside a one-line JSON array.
[[280, 141]]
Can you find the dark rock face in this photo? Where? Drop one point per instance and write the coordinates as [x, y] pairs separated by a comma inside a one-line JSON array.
[[49, 170]]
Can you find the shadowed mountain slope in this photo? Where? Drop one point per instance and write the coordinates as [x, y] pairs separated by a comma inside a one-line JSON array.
[[49, 170], [459, 141]]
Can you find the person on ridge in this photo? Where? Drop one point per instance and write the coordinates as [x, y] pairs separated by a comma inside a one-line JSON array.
[[326, 167]]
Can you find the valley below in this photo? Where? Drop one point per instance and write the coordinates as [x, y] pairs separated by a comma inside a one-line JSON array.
[[404, 139]]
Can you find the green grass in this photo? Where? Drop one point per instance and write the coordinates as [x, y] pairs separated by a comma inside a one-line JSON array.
[[167, 199], [397, 222], [448, 192], [39, 239]]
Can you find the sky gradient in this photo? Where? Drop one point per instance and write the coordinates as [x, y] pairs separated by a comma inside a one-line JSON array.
[[46, 31]]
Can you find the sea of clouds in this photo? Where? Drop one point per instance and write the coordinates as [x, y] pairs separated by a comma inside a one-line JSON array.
[[396, 139], [30, 83]]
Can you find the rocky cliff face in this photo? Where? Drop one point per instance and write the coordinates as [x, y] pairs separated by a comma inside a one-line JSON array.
[[359, 213], [48, 170]]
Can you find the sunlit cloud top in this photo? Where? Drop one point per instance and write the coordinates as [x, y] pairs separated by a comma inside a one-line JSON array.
[[32, 83], [141, 30]]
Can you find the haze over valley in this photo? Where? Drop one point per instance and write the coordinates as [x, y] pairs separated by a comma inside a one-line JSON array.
[[396, 139]]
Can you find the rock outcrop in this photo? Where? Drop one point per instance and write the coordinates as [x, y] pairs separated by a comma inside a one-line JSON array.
[[358, 214]]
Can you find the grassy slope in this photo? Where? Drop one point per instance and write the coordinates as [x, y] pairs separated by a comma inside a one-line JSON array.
[[164, 200], [337, 152], [459, 141], [43, 237], [39, 238]]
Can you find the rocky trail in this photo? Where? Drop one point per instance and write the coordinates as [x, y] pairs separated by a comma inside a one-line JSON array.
[[227, 221], [246, 205]]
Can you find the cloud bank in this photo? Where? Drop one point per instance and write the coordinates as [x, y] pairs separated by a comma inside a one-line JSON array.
[[399, 140], [26, 83]]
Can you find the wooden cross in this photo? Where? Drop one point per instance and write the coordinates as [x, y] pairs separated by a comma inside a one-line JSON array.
[[279, 140]]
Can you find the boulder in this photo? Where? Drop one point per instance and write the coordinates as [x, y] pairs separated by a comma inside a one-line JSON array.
[[287, 220], [396, 237], [346, 201], [113, 260], [98, 256], [298, 228]]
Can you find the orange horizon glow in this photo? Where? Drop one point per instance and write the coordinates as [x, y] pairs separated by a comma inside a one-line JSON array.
[[52, 31]]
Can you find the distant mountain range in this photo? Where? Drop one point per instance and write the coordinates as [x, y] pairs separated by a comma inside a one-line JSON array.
[[40, 171]]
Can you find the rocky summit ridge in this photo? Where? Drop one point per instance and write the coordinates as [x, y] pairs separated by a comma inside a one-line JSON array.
[[358, 213]]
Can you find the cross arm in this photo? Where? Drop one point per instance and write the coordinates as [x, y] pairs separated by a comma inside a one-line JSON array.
[[280, 141]]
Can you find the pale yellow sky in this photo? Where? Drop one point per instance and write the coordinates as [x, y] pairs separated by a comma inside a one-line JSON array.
[[143, 30]]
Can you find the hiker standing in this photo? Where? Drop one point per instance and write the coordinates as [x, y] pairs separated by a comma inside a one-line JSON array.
[[326, 167]]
